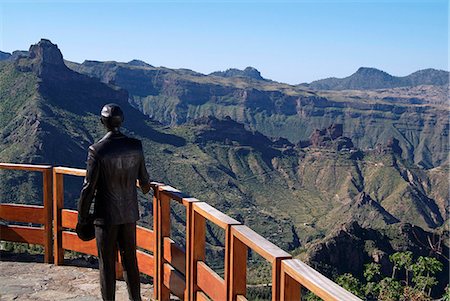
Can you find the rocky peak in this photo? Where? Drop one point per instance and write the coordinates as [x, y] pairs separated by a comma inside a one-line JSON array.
[[368, 71], [45, 52], [392, 146], [332, 132], [248, 72], [330, 137], [43, 58], [252, 73], [139, 63]]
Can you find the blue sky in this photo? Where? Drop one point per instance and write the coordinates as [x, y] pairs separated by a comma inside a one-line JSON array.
[[288, 41]]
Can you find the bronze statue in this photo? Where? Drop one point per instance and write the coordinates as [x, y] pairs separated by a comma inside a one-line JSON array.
[[114, 164]]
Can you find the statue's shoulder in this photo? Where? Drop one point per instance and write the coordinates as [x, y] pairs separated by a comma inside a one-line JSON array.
[[98, 146], [94, 148]]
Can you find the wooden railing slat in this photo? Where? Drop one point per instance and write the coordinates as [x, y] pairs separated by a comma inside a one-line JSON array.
[[174, 255], [70, 241], [202, 297], [146, 263], [210, 283], [31, 235], [69, 218], [174, 281], [22, 213], [145, 238]]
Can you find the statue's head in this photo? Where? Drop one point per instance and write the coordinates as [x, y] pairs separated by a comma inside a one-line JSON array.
[[112, 117]]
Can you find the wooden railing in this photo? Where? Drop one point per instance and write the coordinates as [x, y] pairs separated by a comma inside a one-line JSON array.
[[41, 235], [183, 273]]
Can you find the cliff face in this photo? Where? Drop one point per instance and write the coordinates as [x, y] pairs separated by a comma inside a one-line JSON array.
[[417, 119]]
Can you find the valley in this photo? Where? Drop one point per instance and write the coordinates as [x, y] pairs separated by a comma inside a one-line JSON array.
[[300, 166]]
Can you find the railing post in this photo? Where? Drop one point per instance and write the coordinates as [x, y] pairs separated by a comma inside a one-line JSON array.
[[58, 204], [198, 239], [157, 250], [161, 228], [238, 269], [276, 279], [189, 245], [164, 213], [227, 263], [48, 214], [290, 289]]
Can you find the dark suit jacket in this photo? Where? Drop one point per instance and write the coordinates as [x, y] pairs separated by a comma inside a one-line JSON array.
[[113, 165]]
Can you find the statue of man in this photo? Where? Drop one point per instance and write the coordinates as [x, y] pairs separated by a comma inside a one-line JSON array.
[[114, 164]]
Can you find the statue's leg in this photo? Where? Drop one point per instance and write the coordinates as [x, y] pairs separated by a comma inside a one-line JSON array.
[[127, 246], [106, 236]]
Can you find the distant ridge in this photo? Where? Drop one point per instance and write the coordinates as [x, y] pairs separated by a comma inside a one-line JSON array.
[[248, 72], [4, 55], [371, 78]]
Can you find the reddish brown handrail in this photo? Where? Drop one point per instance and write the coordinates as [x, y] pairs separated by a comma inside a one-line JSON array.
[[183, 273], [30, 214]]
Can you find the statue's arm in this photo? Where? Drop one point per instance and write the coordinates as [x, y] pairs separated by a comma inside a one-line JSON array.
[[89, 187], [144, 179]]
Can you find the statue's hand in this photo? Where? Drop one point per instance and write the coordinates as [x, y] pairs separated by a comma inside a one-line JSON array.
[[145, 188], [85, 229]]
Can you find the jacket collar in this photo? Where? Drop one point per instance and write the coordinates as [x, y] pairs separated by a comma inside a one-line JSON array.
[[113, 135]]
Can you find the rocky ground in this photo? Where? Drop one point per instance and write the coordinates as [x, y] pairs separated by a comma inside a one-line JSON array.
[[39, 282]]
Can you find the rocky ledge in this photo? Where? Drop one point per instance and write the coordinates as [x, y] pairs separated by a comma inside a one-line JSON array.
[[38, 282]]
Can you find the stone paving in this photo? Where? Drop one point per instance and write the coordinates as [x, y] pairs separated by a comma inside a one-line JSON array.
[[38, 282]]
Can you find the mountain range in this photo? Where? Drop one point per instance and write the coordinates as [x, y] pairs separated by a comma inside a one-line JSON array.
[[371, 78], [416, 116], [291, 163]]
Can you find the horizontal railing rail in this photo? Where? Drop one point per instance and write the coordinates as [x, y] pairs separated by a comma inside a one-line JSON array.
[[34, 214], [183, 273]]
